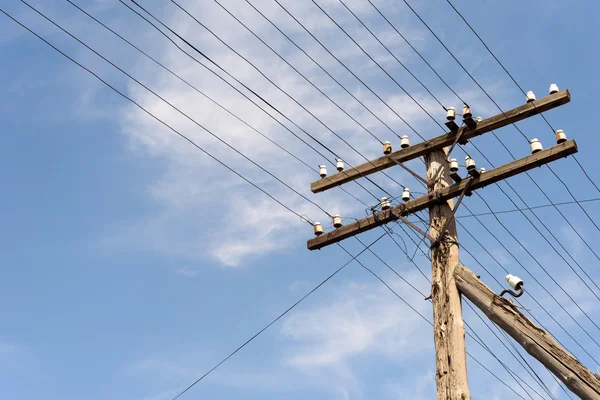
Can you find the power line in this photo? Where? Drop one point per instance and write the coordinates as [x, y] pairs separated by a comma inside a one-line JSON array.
[[429, 322], [321, 67], [291, 66], [178, 110], [207, 96], [153, 116], [380, 67], [393, 55], [416, 51], [347, 69], [530, 274], [496, 104], [231, 76], [528, 208], [265, 76]]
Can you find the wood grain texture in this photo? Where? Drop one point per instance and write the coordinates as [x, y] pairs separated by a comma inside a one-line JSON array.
[[537, 342], [449, 192], [448, 328], [508, 117]]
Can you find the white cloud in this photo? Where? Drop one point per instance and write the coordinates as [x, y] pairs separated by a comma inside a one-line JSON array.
[[202, 210], [360, 319]]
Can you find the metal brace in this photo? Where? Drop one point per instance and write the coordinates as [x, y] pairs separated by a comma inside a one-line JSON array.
[[415, 227], [456, 140], [419, 177]]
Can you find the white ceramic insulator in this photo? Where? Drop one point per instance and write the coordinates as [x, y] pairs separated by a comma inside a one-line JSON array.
[[478, 119], [318, 228], [339, 165], [466, 112], [535, 146], [322, 171], [404, 142], [385, 203], [406, 194], [553, 88], [481, 170], [514, 281], [387, 147], [530, 96], [470, 163], [451, 114], [453, 165], [560, 136], [337, 221]]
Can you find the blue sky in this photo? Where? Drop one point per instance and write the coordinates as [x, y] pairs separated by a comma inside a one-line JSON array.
[[133, 263]]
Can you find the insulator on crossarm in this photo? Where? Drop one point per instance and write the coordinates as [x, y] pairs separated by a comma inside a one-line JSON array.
[[406, 194], [385, 203], [453, 166], [466, 112], [387, 147], [337, 221], [481, 170], [561, 137], [535, 146], [553, 88], [318, 228], [478, 119], [339, 165], [404, 142], [470, 163], [323, 171], [530, 96], [451, 114]]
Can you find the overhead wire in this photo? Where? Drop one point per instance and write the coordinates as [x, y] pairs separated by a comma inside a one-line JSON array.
[[178, 110], [552, 317], [473, 335], [241, 83], [189, 140], [348, 69], [587, 275], [216, 159], [552, 278], [528, 208], [393, 55], [290, 65], [493, 277], [153, 116], [416, 51], [266, 77], [516, 83], [468, 333], [482, 153], [531, 372], [322, 68], [380, 67], [206, 96], [499, 108]]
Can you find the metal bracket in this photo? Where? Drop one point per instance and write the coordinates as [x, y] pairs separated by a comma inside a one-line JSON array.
[[443, 231], [412, 225], [513, 294], [419, 177], [456, 140]]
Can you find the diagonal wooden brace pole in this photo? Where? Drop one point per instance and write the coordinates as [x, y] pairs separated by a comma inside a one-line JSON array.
[[537, 342]]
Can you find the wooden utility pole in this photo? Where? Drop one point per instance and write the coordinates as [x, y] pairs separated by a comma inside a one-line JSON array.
[[448, 326], [449, 279], [537, 342]]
